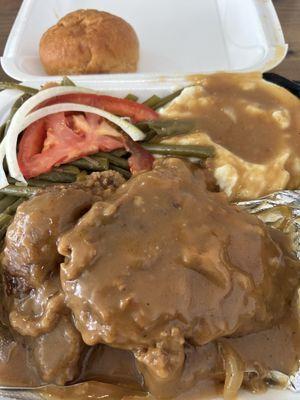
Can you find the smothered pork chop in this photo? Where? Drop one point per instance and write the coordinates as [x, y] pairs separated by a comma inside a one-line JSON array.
[[253, 125], [156, 284], [34, 299], [164, 260]]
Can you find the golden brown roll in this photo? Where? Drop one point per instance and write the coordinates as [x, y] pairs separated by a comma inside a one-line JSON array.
[[89, 41]]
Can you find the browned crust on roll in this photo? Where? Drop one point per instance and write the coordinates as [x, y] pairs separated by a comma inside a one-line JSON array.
[[89, 41]]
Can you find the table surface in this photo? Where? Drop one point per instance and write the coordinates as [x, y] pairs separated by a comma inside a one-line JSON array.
[[288, 11]]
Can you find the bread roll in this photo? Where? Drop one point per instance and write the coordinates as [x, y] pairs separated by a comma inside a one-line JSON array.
[[89, 41]]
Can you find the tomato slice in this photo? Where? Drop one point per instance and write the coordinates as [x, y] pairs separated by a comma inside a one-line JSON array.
[[122, 107], [64, 137]]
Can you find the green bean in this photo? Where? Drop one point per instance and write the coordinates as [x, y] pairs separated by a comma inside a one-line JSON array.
[[5, 166], [122, 171], [165, 100], [119, 152], [2, 234], [3, 227], [20, 100], [4, 218], [13, 207], [5, 221], [180, 150], [6, 202], [70, 169], [149, 136], [7, 215], [168, 127], [91, 164], [118, 161], [2, 130], [30, 182], [66, 81], [131, 97], [152, 101], [13, 85], [35, 182], [58, 177], [39, 183], [19, 191], [81, 176]]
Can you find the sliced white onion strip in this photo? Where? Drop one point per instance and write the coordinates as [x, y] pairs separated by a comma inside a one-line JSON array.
[[47, 94], [32, 103], [14, 131]]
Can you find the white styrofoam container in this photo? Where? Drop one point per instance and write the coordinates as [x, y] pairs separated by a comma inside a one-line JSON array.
[[177, 38]]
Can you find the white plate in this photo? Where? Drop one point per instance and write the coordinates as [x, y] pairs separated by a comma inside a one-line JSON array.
[[177, 37]]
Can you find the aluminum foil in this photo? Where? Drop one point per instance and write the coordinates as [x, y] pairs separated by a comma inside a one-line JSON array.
[[19, 395], [281, 210]]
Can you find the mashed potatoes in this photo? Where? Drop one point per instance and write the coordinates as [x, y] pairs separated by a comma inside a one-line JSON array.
[[254, 127]]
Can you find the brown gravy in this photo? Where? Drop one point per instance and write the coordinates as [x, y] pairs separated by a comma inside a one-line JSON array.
[[154, 279], [248, 116], [147, 325], [253, 125]]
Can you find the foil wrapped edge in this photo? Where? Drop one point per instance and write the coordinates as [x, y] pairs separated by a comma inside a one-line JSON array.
[[266, 208]]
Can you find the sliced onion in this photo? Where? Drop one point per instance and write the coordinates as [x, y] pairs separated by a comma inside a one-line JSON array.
[[44, 95], [32, 103], [234, 369], [15, 130]]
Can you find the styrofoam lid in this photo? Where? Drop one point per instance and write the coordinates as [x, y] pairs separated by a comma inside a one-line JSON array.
[[177, 37]]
